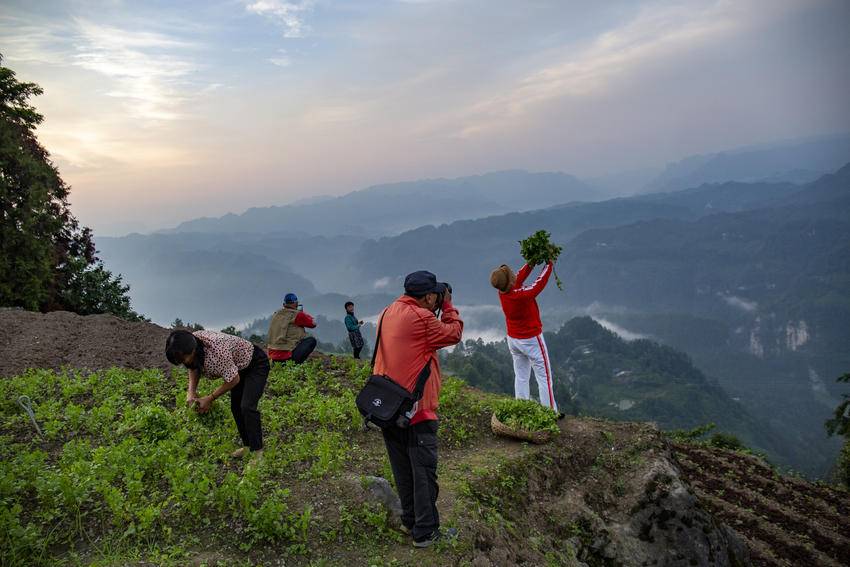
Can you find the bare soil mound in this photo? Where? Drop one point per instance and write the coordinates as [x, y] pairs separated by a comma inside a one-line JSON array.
[[93, 342]]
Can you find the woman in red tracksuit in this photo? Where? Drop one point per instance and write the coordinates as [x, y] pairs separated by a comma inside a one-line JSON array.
[[525, 330]]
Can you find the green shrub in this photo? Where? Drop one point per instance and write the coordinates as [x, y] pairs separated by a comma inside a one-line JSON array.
[[527, 415], [726, 441], [843, 465]]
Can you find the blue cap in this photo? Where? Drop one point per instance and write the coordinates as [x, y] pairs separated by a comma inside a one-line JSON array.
[[419, 283], [290, 298]]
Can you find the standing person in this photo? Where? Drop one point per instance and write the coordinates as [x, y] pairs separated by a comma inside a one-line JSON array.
[[288, 339], [353, 325], [410, 335], [243, 366], [525, 330]]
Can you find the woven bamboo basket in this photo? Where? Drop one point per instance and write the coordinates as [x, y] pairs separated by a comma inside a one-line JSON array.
[[500, 428]]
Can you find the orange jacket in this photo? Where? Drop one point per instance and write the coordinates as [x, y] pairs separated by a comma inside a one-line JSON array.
[[410, 336]]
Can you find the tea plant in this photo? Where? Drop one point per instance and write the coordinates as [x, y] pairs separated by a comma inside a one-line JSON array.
[[125, 465], [527, 415]]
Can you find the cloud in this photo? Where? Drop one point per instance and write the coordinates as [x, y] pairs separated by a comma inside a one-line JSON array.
[[282, 59], [657, 33], [739, 302], [23, 41], [332, 114], [149, 69], [287, 15], [624, 333]]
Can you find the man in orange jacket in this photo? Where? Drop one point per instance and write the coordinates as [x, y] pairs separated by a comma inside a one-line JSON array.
[[410, 335]]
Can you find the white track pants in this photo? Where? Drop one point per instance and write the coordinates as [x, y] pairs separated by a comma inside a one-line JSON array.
[[531, 354]]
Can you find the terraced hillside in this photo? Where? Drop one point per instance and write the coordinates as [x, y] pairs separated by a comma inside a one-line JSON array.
[[785, 520]]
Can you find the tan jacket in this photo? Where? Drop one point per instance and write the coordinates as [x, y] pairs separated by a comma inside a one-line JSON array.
[[287, 328]]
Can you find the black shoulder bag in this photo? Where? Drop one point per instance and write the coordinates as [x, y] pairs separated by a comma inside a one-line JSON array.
[[383, 402]]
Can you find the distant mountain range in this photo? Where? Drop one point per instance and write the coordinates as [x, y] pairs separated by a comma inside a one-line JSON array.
[[795, 161], [393, 208], [470, 249]]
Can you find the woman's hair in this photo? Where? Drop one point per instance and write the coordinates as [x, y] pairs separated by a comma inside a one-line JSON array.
[[347, 303], [179, 344]]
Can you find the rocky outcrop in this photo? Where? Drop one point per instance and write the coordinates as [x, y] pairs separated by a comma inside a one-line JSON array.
[[603, 494]]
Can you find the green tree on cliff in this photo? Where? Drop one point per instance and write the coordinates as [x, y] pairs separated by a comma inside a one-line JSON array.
[[47, 260], [840, 425]]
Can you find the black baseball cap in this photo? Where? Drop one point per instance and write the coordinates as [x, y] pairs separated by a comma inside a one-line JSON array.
[[422, 282]]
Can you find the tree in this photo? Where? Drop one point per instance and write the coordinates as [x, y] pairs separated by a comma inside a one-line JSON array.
[[840, 425], [47, 260], [231, 330], [179, 324]]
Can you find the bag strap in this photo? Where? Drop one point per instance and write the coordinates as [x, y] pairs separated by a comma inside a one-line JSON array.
[[378, 339], [424, 374]]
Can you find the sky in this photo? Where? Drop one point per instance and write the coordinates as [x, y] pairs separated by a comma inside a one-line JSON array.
[[159, 112]]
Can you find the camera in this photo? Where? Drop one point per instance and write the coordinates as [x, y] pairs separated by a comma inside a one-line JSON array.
[[441, 297]]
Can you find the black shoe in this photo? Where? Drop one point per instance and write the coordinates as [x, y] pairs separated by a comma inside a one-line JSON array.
[[562, 415], [435, 537]]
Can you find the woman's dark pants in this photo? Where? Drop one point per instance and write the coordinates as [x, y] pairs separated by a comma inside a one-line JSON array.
[[244, 398]]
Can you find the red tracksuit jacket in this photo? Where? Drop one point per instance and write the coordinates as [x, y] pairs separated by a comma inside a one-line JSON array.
[[522, 315]]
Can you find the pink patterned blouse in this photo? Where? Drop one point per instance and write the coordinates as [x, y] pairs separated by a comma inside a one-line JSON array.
[[224, 355]]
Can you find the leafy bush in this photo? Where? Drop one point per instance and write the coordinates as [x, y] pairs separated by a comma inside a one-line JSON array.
[[691, 435], [726, 441], [527, 415], [843, 465]]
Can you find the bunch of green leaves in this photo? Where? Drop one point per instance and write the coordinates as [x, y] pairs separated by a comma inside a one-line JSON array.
[[527, 415], [539, 249]]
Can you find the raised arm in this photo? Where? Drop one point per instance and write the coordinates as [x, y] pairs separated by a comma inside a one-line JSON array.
[[522, 274], [305, 320], [539, 284], [446, 331]]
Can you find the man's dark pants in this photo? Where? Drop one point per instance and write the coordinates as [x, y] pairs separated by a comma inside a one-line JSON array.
[[413, 457], [244, 398], [303, 349]]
